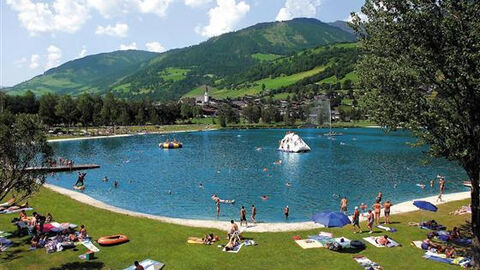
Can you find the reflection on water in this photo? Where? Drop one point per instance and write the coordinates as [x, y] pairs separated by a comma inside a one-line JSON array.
[[231, 164]]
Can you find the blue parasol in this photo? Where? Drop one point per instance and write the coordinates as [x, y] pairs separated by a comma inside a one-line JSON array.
[[424, 205], [331, 219]]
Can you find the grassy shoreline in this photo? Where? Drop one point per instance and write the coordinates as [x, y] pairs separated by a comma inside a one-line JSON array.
[[167, 243]]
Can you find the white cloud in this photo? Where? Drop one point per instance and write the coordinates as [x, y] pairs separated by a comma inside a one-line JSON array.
[[54, 54], [34, 59], [223, 17], [132, 46], [298, 8], [57, 16], [157, 7], [20, 62], [154, 46], [83, 52], [196, 3], [118, 30], [112, 8]]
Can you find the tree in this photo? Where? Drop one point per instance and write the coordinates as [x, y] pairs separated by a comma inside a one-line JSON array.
[[252, 113], [85, 108], [46, 110], [22, 145], [66, 110], [3, 102], [421, 65], [109, 110]]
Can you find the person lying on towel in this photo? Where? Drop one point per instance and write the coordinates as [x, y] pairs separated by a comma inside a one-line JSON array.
[[232, 243], [382, 240]]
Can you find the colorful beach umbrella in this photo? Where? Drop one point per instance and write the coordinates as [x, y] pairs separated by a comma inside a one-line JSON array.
[[424, 205], [331, 219]]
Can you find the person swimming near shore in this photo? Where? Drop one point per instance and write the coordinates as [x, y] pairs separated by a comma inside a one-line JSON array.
[[115, 184], [264, 197], [288, 184], [105, 179], [278, 162], [200, 185], [286, 212], [81, 179], [265, 169]]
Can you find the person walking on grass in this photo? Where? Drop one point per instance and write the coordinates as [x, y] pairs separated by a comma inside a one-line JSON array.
[[370, 220], [343, 205], [254, 213], [356, 221], [386, 211], [243, 216]]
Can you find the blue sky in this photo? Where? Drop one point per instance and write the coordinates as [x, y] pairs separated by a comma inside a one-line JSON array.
[[40, 34]]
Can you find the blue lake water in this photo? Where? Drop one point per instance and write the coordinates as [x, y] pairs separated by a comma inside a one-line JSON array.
[[228, 163]]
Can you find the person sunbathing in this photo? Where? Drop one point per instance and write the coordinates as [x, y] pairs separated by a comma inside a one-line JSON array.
[[450, 252], [232, 243], [427, 244], [210, 238], [383, 240], [83, 233], [455, 233]]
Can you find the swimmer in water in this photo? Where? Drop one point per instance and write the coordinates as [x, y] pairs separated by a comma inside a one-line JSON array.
[[288, 184], [395, 185], [115, 184], [432, 183], [264, 197], [265, 169], [200, 185], [105, 179], [169, 192]]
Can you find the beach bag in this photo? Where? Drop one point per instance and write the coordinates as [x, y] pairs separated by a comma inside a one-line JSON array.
[[334, 246], [356, 244]]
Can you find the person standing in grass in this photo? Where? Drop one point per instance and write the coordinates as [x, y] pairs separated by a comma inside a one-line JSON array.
[[377, 207], [254, 213], [386, 211], [370, 220], [356, 220], [243, 216]]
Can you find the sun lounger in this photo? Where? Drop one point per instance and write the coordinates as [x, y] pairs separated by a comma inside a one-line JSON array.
[[309, 243], [148, 265], [236, 248], [385, 228], [90, 246], [367, 263], [372, 240]]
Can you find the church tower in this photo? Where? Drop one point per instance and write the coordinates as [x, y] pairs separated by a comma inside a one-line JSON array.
[[206, 98]]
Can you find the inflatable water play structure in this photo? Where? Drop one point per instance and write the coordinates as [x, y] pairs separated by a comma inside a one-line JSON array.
[[112, 240], [293, 143], [170, 145], [216, 198]]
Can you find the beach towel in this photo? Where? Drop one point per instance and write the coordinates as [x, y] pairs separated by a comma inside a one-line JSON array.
[[148, 265], [462, 261], [195, 240], [385, 228], [15, 211], [236, 248], [367, 263], [5, 243], [372, 241], [326, 234], [324, 240], [345, 243], [90, 246], [309, 243], [417, 244], [5, 234]]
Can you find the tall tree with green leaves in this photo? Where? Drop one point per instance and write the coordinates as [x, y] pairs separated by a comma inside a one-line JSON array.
[[22, 144], [85, 107], [66, 109], [421, 64], [46, 110], [109, 110]]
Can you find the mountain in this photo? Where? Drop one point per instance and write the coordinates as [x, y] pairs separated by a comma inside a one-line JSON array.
[[93, 74], [343, 25], [170, 75]]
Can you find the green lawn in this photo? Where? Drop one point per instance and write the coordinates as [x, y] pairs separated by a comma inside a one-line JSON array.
[[167, 243]]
